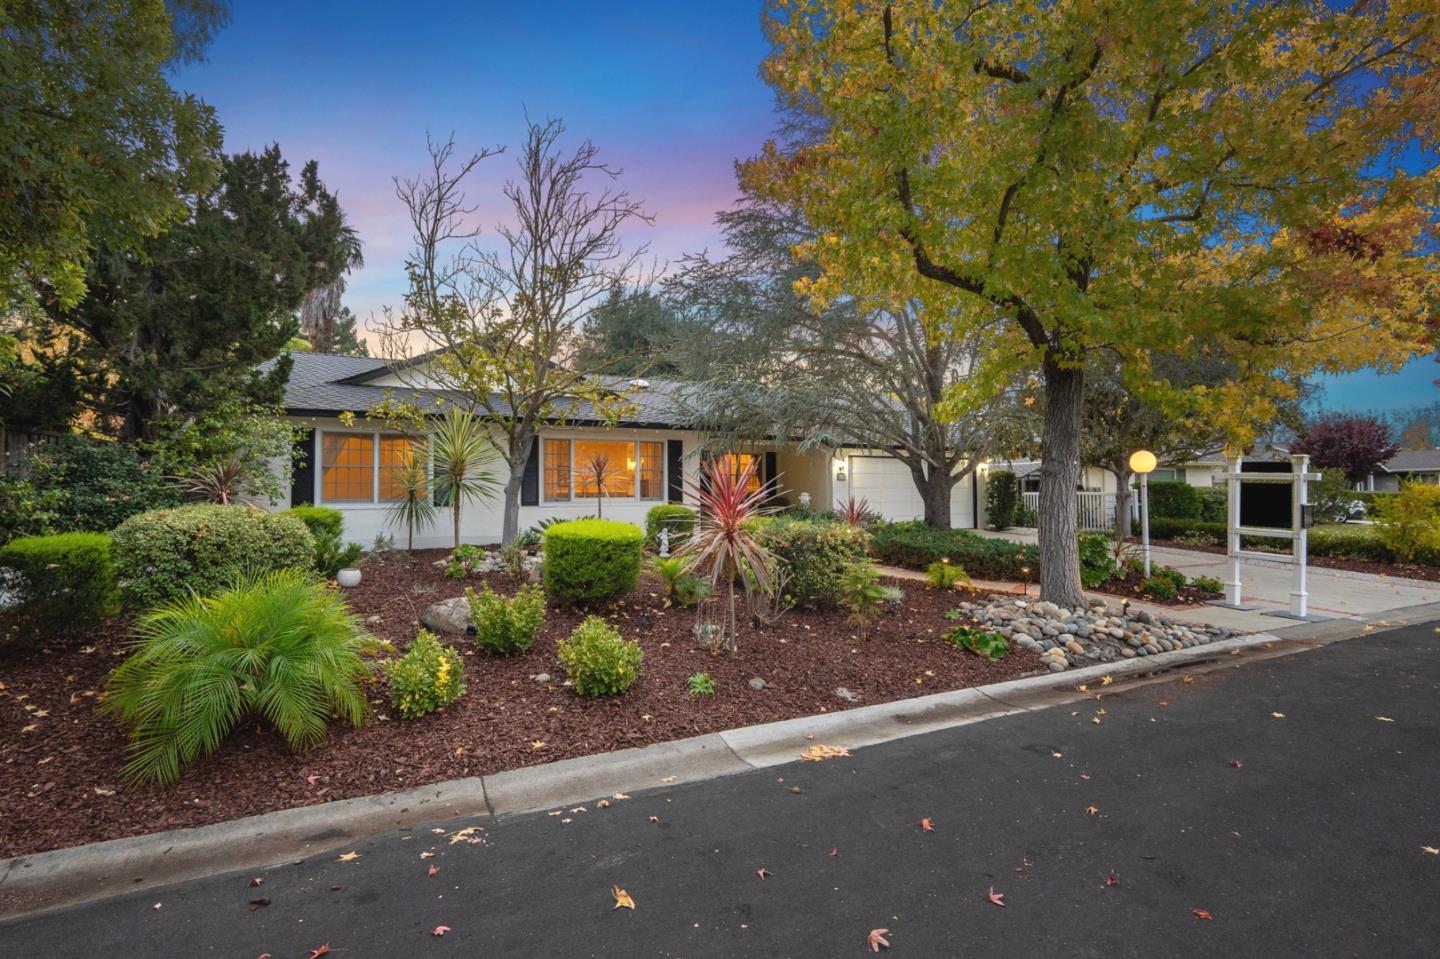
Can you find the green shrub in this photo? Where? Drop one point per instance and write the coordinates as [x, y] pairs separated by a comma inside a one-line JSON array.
[[915, 546], [327, 527], [276, 646], [1002, 499], [1097, 559], [701, 684], [58, 582], [1174, 499], [1160, 587], [506, 625], [944, 574], [1208, 584], [1027, 516], [862, 593], [1331, 497], [80, 485], [1214, 502], [430, 675], [464, 560], [813, 555], [676, 517], [165, 554], [1409, 523], [597, 661], [982, 643], [1164, 527], [591, 560], [1172, 574]]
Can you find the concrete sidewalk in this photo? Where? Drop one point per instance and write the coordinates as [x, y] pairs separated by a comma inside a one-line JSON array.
[[1267, 584]]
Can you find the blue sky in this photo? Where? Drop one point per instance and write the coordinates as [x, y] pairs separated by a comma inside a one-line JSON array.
[[668, 91]]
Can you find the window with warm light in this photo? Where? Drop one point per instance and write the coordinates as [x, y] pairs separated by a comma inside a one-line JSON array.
[[738, 463], [347, 468], [557, 469], [395, 454], [606, 466], [652, 470]]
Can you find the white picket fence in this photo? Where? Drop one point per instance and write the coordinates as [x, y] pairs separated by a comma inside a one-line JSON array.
[[1096, 510]]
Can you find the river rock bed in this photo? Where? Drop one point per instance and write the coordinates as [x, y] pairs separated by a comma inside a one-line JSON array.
[[1084, 637]]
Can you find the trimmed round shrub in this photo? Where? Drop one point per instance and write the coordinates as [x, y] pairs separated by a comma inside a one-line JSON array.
[[327, 526], [1160, 587], [169, 553], [814, 554], [591, 560], [506, 625], [1176, 499], [428, 676], [597, 661], [60, 581], [676, 517]]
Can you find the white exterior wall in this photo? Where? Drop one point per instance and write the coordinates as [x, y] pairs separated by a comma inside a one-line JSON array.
[[886, 483]]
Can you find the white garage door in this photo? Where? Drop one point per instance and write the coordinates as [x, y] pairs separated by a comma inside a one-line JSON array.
[[886, 484]]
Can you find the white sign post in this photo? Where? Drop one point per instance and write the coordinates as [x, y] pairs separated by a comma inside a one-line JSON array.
[[1299, 479]]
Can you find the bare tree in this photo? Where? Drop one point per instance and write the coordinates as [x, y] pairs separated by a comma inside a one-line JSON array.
[[597, 471], [505, 326]]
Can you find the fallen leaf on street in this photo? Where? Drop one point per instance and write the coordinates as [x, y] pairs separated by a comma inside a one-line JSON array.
[[1112, 879], [350, 856], [927, 824], [835, 851], [622, 898], [1430, 850], [258, 880], [762, 872], [998, 898], [1106, 680], [1202, 914], [1385, 719], [820, 752], [433, 871], [319, 951], [1093, 810], [877, 941], [1082, 688], [1056, 755], [653, 818], [1236, 763], [439, 930], [259, 903], [426, 855], [1278, 715], [1095, 720]]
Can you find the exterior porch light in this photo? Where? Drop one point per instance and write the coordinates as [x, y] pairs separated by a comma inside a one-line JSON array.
[[1143, 462]]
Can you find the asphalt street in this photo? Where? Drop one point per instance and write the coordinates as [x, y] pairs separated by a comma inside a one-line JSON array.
[[1282, 808]]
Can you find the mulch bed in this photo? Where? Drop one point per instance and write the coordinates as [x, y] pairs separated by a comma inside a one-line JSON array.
[[61, 761], [1403, 570]]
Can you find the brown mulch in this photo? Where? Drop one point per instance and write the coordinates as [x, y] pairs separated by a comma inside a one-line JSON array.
[[1404, 570], [62, 785], [1128, 586]]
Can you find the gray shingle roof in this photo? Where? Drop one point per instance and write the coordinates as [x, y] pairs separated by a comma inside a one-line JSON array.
[[315, 388], [1413, 461]]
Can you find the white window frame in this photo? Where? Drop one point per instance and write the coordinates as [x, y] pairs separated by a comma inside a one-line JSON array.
[[634, 494]]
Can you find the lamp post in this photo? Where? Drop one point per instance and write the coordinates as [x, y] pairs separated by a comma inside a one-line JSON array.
[[1143, 462]]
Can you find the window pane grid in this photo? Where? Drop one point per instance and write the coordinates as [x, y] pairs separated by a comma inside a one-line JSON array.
[[737, 463], [348, 468], [652, 470], [604, 463], [395, 456], [557, 469]]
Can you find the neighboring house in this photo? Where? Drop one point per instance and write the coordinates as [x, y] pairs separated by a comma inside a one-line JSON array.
[[1420, 466], [354, 468]]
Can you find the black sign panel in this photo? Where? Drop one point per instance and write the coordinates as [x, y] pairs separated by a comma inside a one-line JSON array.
[[1266, 504]]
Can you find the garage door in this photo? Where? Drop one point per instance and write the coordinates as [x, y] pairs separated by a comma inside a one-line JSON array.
[[886, 484]]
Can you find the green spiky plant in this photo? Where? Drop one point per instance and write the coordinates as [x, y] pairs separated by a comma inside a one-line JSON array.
[[413, 509], [465, 463], [276, 647]]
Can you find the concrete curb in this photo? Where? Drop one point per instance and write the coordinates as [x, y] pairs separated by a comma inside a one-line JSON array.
[[66, 877]]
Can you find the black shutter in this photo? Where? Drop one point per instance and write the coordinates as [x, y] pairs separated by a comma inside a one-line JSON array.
[[707, 463], [675, 468], [772, 473], [302, 472], [530, 480]]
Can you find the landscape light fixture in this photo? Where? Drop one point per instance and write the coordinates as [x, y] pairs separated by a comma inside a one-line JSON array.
[[1143, 462]]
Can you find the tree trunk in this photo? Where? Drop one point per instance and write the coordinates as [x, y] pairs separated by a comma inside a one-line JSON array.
[[935, 493], [455, 516], [1059, 475], [1122, 503]]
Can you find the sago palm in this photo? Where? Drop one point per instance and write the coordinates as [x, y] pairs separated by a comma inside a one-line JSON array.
[[465, 457], [722, 547], [276, 647]]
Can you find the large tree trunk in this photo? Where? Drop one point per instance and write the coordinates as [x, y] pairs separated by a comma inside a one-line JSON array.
[[934, 489], [1122, 503], [1059, 476]]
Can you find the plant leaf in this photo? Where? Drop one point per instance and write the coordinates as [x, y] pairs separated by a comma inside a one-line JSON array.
[[622, 898], [998, 898], [876, 940]]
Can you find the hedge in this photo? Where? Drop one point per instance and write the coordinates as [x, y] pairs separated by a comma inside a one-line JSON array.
[[168, 553], [1339, 541], [591, 560], [916, 546], [327, 527], [60, 581], [1002, 499], [676, 517], [814, 553], [1174, 499]]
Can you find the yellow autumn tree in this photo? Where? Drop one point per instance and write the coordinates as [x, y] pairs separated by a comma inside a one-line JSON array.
[[1141, 177]]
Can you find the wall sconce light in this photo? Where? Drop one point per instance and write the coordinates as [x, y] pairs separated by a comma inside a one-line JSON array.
[[839, 471]]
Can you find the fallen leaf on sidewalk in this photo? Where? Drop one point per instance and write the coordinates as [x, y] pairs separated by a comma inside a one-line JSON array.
[[927, 825], [439, 930], [998, 898], [876, 940], [622, 898], [1236, 763], [1082, 688], [1202, 914], [1278, 715], [1385, 719], [1430, 850], [350, 856], [762, 872], [820, 752]]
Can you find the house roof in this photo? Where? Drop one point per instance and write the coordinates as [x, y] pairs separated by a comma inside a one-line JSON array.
[[1413, 461], [327, 384]]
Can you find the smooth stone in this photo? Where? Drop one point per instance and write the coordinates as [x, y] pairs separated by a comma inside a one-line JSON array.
[[542, 677], [757, 684], [1127, 652], [842, 693], [1056, 667], [1151, 648]]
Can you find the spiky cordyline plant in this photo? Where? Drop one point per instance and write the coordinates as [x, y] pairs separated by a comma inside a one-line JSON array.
[[722, 546], [414, 508], [219, 482], [856, 512], [465, 460], [276, 646]]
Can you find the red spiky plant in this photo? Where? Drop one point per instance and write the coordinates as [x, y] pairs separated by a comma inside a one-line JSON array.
[[722, 547]]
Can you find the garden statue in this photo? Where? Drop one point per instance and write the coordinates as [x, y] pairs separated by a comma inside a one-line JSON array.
[[664, 538]]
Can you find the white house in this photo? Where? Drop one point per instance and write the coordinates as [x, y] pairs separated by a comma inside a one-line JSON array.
[[352, 464]]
